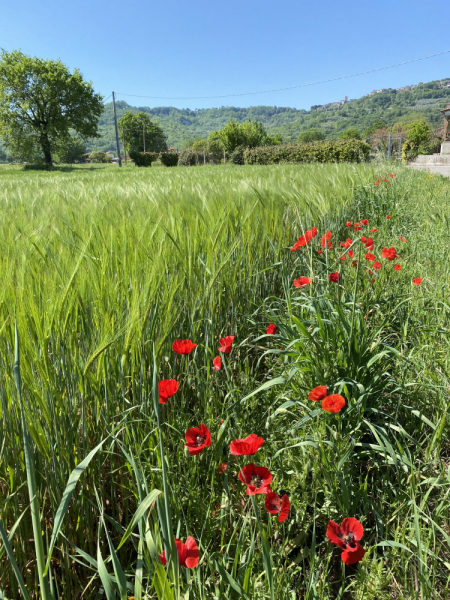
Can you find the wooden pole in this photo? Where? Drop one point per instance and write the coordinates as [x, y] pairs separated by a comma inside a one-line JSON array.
[[117, 131]]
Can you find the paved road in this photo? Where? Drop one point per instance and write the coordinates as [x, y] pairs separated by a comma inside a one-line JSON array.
[[441, 170]]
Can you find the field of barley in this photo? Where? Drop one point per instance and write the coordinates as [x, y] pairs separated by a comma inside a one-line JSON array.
[[224, 382]]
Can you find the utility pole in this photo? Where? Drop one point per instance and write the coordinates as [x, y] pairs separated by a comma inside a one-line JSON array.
[[117, 131], [143, 133], [124, 149]]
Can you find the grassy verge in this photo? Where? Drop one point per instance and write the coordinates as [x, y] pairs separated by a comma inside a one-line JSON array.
[[105, 269]]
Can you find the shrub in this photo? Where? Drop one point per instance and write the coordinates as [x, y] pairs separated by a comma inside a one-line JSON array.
[[169, 159], [323, 152], [144, 159], [350, 134], [98, 157], [311, 135], [237, 156]]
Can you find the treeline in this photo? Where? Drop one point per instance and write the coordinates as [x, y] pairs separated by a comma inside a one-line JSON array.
[[421, 103]]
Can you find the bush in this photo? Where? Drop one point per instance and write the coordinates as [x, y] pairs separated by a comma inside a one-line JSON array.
[[350, 134], [311, 135], [169, 159], [99, 157], [144, 159], [322, 152], [237, 156], [41, 166]]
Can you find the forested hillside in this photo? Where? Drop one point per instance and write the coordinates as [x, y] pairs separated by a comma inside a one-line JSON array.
[[391, 106]]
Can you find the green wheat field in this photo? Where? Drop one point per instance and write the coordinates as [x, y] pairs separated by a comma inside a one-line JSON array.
[[103, 269]]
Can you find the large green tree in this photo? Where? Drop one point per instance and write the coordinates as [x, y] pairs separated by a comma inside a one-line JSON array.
[[249, 134], [41, 102], [133, 127]]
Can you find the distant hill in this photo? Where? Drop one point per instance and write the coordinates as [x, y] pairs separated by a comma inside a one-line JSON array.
[[391, 106]]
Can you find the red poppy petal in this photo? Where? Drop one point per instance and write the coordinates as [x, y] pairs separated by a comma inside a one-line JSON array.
[[352, 525], [285, 508], [351, 558], [333, 403], [318, 393], [272, 503], [334, 534], [163, 557]]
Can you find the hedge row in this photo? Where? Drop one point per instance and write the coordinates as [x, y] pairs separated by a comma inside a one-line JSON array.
[[323, 152], [145, 159]]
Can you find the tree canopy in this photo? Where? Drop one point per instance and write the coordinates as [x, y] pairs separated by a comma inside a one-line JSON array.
[[41, 103], [311, 135], [249, 134], [136, 128]]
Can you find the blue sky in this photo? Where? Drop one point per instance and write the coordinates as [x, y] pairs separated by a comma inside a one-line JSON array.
[[200, 48]]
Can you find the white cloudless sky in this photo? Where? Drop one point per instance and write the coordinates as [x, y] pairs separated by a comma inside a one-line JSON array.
[[201, 48]]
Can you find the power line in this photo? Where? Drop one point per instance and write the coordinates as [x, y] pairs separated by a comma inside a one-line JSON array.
[[294, 87]]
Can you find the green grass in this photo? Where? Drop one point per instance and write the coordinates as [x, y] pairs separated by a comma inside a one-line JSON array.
[[103, 269]]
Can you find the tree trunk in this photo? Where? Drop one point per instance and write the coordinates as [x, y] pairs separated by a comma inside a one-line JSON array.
[[46, 148]]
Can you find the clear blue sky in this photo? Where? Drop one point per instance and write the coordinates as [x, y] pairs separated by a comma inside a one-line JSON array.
[[205, 48]]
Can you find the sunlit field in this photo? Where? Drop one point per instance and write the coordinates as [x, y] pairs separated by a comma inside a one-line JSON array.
[[116, 440]]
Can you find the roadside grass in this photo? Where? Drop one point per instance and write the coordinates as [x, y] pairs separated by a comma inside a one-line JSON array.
[[104, 270]]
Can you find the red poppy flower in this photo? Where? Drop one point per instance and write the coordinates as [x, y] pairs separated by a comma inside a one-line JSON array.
[[389, 253], [363, 239], [319, 251], [247, 446], [377, 182], [376, 265], [188, 553], [304, 239], [222, 468], [217, 362], [417, 280], [350, 253], [226, 344], [391, 175], [325, 238], [388, 217], [346, 535], [277, 506], [369, 242], [318, 393], [334, 277], [342, 257], [370, 257], [370, 248], [166, 389], [183, 346], [197, 438], [374, 230], [257, 479], [301, 281], [402, 239], [364, 221], [349, 223], [397, 267], [348, 242], [351, 558], [271, 329], [333, 403], [357, 228]]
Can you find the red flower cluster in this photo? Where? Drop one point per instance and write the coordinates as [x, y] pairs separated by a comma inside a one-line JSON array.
[[304, 239], [334, 277], [389, 253], [333, 403], [347, 536], [271, 329]]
